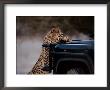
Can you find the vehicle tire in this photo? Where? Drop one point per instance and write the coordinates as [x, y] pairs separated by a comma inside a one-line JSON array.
[[76, 70], [72, 66]]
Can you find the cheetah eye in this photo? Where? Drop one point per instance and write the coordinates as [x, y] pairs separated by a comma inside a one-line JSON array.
[[62, 34]]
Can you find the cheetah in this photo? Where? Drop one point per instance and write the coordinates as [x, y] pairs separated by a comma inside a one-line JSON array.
[[52, 37]]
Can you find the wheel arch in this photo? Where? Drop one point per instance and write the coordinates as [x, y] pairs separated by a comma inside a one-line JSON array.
[[86, 62]]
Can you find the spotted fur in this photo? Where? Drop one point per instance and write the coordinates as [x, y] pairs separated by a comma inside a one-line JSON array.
[[53, 36]]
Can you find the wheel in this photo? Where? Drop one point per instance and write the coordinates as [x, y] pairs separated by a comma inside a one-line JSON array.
[[76, 70], [72, 66]]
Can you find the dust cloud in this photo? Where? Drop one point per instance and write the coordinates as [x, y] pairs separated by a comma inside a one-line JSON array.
[[28, 51], [31, 29]]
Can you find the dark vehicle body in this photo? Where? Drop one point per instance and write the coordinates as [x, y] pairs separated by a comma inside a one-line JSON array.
[[75, 57]]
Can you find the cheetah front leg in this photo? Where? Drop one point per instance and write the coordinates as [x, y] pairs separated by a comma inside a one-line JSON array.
[[37, 69], [40, 64]]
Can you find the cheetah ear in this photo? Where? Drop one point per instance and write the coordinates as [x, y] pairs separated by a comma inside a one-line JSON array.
[[55, 30], [52, 30]]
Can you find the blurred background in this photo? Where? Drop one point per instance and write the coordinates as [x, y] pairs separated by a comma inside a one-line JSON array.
[[30, 31]]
